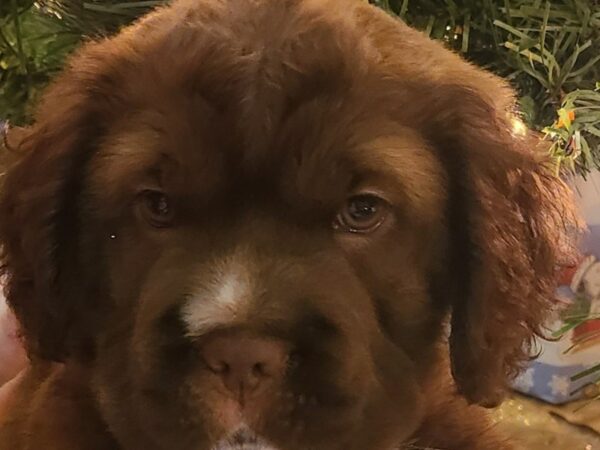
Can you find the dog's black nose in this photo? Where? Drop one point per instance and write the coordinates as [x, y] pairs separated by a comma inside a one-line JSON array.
[[245, 364]]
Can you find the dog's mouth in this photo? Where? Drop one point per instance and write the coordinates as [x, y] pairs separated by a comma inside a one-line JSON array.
[[243, 439]]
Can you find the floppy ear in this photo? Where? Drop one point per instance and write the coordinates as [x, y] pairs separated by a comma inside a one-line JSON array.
[[512, 222], [38, 212]]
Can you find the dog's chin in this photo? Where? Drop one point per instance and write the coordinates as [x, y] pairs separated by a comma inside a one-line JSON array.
[[243, 439]]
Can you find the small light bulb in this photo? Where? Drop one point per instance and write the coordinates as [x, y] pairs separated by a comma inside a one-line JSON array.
[[518, 126]]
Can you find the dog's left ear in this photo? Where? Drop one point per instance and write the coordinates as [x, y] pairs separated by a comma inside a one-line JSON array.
[[512, 223]]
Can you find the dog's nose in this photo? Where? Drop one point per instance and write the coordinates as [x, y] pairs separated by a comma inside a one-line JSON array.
[[245, 364]]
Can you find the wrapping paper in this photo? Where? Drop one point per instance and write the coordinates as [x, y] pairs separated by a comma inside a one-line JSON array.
[[550, 376]]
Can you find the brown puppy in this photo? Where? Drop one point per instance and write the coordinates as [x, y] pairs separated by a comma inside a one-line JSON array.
[[245, 223]]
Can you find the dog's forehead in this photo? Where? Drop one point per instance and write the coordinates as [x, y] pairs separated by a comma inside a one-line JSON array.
[[293, 110], [254, 64]]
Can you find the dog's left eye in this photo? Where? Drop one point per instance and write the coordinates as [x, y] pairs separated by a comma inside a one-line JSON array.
[[362, 213]]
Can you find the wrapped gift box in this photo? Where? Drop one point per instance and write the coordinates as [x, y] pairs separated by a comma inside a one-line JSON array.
[[549, 377], [553, 375]]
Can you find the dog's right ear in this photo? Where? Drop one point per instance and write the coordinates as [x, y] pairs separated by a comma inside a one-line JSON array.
[[39, 196], [13, 136]]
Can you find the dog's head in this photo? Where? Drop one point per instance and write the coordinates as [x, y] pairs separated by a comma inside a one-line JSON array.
[[255, 217]]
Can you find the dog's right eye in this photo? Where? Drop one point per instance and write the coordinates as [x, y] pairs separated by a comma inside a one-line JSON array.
[[156, 208]]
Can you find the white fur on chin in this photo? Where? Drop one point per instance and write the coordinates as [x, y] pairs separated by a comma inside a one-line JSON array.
[[243, 439]]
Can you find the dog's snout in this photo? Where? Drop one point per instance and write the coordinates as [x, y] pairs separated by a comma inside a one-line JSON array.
[[245, 364]]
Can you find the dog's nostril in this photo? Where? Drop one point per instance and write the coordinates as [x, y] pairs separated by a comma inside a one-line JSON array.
[[259, 369], [219, 367], [293, 361]]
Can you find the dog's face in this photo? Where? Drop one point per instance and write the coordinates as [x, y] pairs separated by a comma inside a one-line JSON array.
[[258, 291], [250, 220]]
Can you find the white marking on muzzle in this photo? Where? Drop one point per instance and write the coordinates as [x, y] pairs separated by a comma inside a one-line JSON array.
[[223, 299]]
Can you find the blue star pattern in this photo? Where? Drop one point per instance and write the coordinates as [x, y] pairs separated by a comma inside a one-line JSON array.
[[551, 383]]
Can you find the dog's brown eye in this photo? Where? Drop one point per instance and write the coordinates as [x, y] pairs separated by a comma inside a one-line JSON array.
[[361, 214], [156, 208]]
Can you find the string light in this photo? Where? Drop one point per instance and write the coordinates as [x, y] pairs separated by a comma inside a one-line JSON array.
[[518, 126]]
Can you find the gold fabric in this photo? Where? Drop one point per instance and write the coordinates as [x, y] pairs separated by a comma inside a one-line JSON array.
[[538, 426]]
